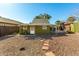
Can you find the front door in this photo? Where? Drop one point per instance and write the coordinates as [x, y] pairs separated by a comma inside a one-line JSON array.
[[32, 30]]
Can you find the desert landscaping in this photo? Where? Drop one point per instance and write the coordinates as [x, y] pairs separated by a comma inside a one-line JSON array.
[[48, 31], [23, 45]]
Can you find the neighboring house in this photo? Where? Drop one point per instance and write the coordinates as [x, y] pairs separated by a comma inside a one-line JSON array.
[[9, 21], [75, 26], [67, 27], [8, 26], [72, 27], [38, 26]]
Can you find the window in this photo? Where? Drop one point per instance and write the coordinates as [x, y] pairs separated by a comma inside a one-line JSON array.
[[25, 28], [44, 27]]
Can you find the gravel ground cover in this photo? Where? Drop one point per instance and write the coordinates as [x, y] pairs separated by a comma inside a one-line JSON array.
[[65, 45], [20, 46]]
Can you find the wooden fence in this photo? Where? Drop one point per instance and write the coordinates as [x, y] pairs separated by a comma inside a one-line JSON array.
[[8, 28]]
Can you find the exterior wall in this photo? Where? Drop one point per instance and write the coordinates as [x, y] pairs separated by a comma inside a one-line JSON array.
[[21, 30], [72, 28], [24, 29], [39, 30], [67, 28], [75, 27]]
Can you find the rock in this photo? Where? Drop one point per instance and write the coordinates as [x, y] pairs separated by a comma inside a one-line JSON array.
[[41, 40], [45, 47], [22, 49], [45, 44], [49, 53]]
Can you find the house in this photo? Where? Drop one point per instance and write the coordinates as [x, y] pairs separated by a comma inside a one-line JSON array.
[[8, 26], [38, 26], [75, 26], [72, 27], [67, 27]]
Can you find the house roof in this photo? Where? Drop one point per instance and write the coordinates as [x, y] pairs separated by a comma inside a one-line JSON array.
[[40, 22], [6, 20], [37, 24], [66, 23]]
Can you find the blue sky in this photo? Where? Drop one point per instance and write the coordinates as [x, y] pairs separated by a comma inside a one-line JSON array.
[[25, 12]]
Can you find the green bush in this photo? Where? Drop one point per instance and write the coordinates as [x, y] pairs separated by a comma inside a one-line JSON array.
[[23, 32]]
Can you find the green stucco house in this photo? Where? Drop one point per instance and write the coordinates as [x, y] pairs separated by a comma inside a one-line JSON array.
[[38, 26]]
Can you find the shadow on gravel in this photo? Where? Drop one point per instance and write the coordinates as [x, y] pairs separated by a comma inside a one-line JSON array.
[[5, 37], [36, 37], [59, 34], [44, 37]]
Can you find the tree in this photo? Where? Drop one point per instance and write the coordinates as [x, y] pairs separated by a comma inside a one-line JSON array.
[[43, 16], [58, 22], [59, 25], [46, 16], [62, 25], [71, 19]]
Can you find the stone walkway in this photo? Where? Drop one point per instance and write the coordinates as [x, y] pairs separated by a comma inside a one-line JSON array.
[[46, 47]]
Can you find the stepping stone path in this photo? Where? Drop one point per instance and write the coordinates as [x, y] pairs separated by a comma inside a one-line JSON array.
[[46, 48], [45, 45]]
